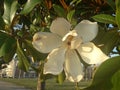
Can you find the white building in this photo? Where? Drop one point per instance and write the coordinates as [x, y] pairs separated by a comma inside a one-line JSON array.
[[10, 70]]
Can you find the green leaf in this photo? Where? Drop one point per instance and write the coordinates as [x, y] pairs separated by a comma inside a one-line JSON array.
[[9, 56], [104, 18], [10, 7], [12, 50], [118, 17], [75, 1], [61, 77], [29, 6], [78, 1], [111, 3], [117, 2], [105, 72], [7, 44], [116, 81], [59, 10], [2, 23], [3, 37], [23, 59], [106, 40], [70, 15]]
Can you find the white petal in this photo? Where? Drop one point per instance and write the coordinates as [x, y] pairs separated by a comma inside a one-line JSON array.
[[87, 30], [46, 42], [55, 62], [60, 26], [73, 67], [91, 54], [76, 42]]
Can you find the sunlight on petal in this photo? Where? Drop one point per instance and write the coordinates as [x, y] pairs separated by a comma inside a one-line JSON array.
[[46, 42], [60, 26], [87, 30], [76, 42], [73, 67], [55, 62], [91, 54]]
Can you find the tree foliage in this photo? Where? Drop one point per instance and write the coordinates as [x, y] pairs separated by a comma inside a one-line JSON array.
[[20, 19]]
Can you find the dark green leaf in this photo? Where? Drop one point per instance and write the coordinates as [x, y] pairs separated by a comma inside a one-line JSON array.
[[116, 81], [106, 40], [59, 10], [29, 6], [6, 45], [2, 24], [111, 3], [9, 56], [23, 59], [104, 18], [3, 37], [10, 7], [22, 1], [103, 76]]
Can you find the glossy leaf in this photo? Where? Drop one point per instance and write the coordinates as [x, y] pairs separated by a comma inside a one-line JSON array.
[[30, 4], [12, 46], [103, 76], [70, 15], [23, 59], [7, 43], [10, 7], [106, 40], [104, 18], [59, 10], [6, 47]]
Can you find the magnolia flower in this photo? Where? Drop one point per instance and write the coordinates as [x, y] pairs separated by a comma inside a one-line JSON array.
[[65, 45]]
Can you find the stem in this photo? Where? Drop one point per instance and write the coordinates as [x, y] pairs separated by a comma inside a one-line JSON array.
[[76, 86], [39, 83]]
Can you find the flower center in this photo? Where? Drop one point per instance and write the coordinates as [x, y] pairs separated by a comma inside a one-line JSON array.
[[71, 40], [68, 40]]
